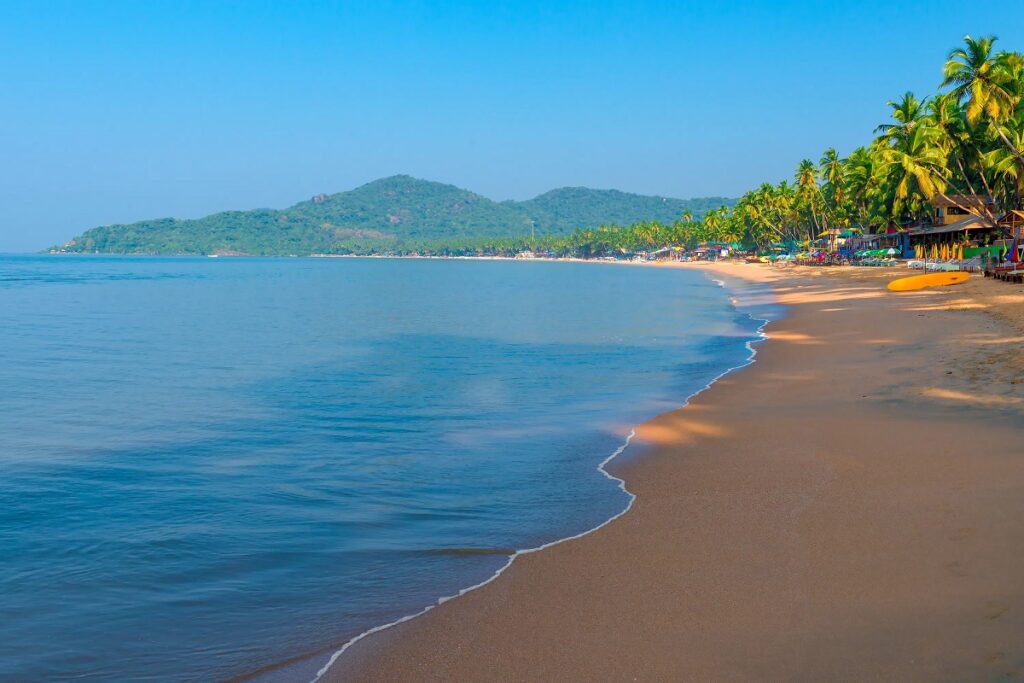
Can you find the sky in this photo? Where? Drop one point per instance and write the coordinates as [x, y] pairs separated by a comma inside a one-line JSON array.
[[113, 111]]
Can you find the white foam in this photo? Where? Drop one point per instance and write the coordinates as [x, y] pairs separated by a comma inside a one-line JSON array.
[[760, 336]]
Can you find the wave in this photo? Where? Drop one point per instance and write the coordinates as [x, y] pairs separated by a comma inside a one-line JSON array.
[[759, 336]]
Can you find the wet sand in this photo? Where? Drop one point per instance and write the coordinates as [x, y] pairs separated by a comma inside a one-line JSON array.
[[850, 507]]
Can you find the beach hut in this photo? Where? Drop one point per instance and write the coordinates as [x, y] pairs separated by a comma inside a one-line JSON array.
[[971, 229], [1013, 221], [953, 208]]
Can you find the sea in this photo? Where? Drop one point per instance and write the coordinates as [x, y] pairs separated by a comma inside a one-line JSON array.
[[227, 468]]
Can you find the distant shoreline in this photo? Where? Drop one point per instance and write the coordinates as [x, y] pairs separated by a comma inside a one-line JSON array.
[[412, 257]]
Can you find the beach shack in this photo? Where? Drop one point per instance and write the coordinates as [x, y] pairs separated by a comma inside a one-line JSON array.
[[1013, 222], [974, 235], [858, 243], [709, 251], [954, 208]]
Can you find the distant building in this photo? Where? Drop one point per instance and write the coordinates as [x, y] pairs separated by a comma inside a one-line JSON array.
[[954, 208], [319, 198]]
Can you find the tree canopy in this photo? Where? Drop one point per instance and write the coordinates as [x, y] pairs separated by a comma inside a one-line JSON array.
[[391, 214], [967, 139]]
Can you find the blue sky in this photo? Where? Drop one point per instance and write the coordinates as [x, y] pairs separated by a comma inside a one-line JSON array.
[[118, 111]]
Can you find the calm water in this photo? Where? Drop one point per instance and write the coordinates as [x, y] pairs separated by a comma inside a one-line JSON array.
[[213, 465]]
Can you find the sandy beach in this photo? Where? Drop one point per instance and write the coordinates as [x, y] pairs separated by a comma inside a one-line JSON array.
[[849, 507]]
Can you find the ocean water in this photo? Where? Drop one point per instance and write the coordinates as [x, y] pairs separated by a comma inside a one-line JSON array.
[[212, 466]]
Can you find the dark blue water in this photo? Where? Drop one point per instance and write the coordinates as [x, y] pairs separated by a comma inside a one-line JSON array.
[[213, 465]]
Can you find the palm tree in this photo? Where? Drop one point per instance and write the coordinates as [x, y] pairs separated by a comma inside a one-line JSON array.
[[980, 78], [917, 166], [807, 189], [970, 138], [834, 174], [1005, 167], [961, 142], [862, 182], [988, 84], [907, 112], [711, 225]]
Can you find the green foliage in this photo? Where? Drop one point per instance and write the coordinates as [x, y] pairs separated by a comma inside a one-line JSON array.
[[392, 214], [558, 211], [968, 140]]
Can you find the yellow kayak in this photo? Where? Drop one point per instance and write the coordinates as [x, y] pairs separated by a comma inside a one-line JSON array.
[[909, 284]]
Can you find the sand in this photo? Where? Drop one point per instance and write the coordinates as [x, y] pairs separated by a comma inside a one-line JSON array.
[[849, 507]]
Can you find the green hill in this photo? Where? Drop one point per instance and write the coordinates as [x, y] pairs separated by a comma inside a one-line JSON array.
[[399, 211], [565, 209]]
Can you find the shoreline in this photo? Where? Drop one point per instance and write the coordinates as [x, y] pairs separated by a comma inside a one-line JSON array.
[[602, 467], [744, 293], [414, 649], [292, 668]]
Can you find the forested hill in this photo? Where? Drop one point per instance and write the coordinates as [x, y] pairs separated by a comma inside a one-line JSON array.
[[565, 209], [396, 212]]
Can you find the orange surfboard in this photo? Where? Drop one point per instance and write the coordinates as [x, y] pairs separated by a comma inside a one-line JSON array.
[[909, 284]]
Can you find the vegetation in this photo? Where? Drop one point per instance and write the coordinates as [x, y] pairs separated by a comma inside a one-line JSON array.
[[397, 214], [967, 139], [580, 207]]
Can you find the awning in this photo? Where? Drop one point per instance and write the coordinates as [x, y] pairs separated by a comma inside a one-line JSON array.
[[971, 223]]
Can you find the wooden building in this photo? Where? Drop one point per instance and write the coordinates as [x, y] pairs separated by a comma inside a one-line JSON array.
[[1013, 221]]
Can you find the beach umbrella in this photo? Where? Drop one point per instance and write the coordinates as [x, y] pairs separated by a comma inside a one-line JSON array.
[[891, 252], [960, 252]]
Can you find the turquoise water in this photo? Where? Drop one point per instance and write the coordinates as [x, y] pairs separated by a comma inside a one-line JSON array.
[[211, 466]]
